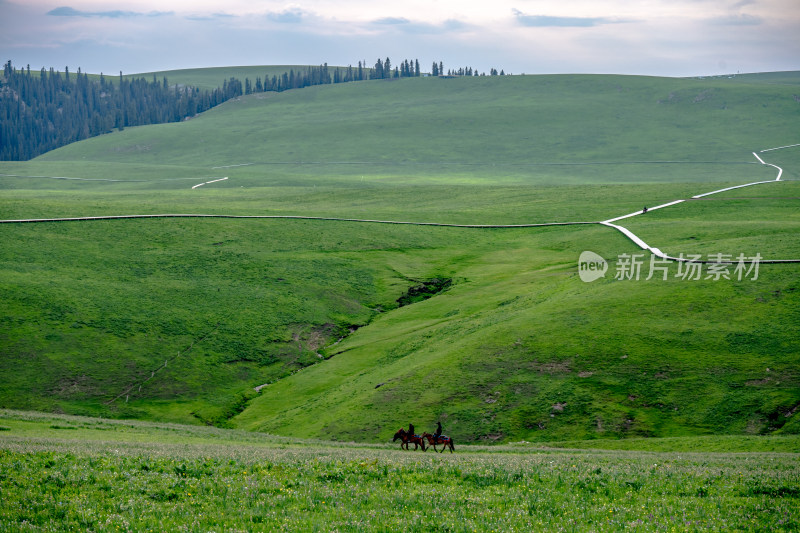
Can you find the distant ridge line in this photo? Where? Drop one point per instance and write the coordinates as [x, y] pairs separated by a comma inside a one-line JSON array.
[[461, 163]]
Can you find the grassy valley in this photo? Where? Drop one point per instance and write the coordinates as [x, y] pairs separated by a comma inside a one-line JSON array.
[[181, 319]]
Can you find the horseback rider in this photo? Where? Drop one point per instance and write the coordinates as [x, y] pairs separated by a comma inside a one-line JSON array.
[[438, 432], [411, 429]]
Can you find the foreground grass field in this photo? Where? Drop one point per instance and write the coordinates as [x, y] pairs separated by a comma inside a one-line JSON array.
[[63, 473], [181, 319]]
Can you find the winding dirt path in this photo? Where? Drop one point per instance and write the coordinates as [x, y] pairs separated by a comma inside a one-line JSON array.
[[207, 182], [658, 253], [295, 217]]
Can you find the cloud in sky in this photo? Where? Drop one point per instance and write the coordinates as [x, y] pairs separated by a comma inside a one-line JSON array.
[[212, 16], [543, 21], [292, 15], [658, 37], [72, 12], [405, 26], [736, 20], [392, 20]]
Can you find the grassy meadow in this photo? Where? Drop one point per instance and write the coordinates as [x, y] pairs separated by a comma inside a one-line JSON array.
[[71, 473], [495, 128], [181, 320]]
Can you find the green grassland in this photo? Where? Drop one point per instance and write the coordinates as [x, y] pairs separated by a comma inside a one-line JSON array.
[[715, 224], [496, 127], [179, 319], [784, 78], [64, 473]]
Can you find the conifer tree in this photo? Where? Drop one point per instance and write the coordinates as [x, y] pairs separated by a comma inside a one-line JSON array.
[[377, 73]]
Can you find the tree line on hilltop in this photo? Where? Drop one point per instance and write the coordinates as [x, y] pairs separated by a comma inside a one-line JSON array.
[[41, 111], [382, 69]]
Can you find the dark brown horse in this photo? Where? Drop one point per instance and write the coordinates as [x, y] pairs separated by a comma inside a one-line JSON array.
[[446, 442], [407, 438]]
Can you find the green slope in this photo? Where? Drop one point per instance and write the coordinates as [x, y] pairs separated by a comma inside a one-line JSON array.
[[785, 78], [490, 129], [522, 349], [180, 319]]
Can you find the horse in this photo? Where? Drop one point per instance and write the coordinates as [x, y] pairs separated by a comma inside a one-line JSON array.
[[406, 438], [447, 442]]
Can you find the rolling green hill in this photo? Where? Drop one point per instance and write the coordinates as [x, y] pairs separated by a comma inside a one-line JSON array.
[[496, 128], [785, 78], [180, 319]]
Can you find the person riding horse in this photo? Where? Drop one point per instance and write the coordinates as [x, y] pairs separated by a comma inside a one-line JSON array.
[[441, 439], [438, 432], [408, 438]]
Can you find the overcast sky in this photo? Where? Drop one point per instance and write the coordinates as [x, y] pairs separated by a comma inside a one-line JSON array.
[[655, 37]]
